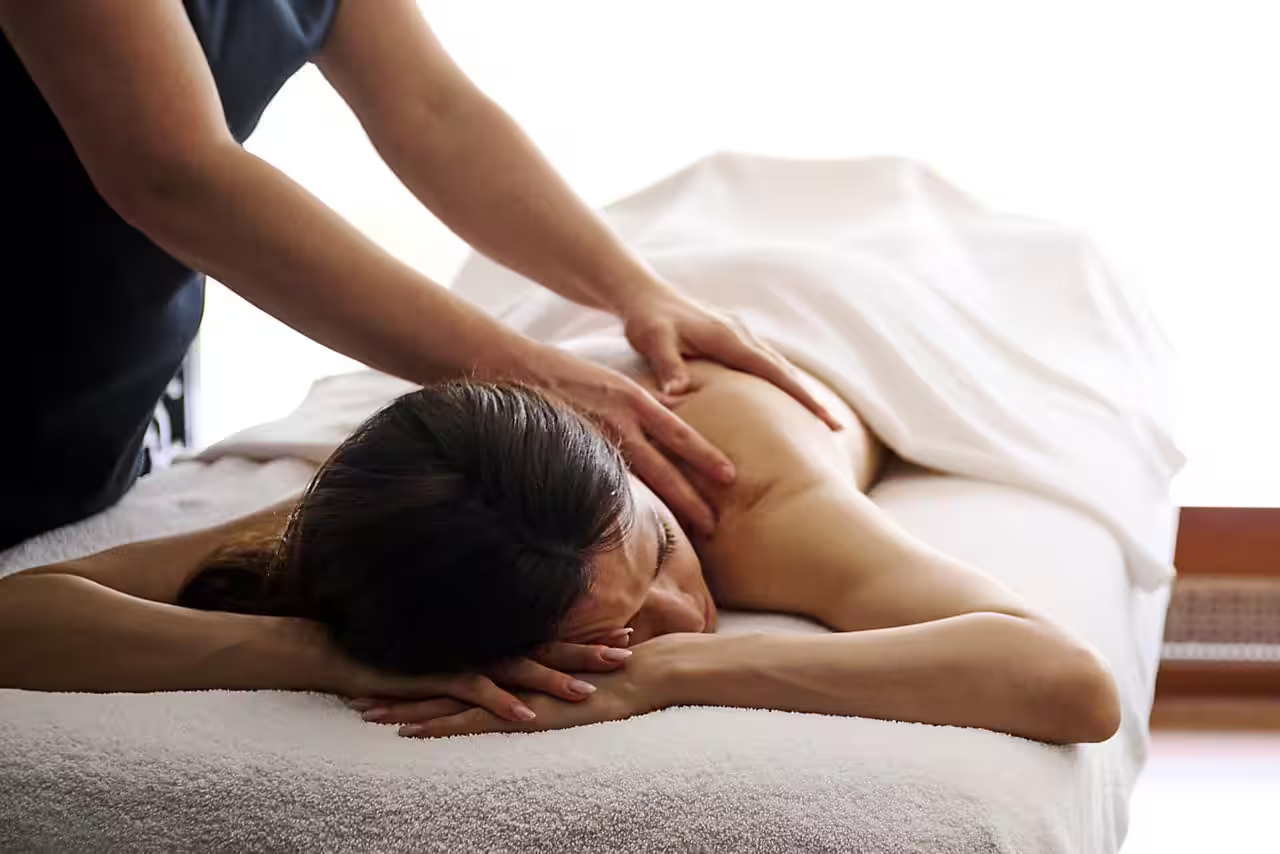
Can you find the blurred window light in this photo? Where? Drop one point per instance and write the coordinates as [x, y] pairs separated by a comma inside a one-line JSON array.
[[1148, 124]]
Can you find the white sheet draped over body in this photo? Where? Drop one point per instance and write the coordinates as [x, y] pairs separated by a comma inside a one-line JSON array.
[[996, 347]]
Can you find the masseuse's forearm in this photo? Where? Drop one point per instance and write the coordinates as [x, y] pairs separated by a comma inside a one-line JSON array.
[[982, 670], [467, 161], [65, 633], [229, 214]]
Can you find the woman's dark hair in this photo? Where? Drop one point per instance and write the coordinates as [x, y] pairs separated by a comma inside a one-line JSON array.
[[453, 529]]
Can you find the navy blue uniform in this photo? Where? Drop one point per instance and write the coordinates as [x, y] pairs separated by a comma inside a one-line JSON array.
[[96, 318]]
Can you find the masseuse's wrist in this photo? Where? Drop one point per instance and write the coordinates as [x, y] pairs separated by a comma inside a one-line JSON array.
[[638, 295]]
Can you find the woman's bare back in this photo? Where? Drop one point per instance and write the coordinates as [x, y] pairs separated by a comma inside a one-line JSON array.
[[796, 532]]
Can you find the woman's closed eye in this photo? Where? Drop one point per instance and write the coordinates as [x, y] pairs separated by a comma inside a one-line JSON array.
[[665, 537], [666, 543]]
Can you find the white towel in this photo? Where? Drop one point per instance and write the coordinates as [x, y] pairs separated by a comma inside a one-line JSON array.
[[991, 346]]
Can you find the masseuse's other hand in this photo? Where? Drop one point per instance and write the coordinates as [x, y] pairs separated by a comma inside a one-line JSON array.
[[547, 672], [644, 428], [665, 326]]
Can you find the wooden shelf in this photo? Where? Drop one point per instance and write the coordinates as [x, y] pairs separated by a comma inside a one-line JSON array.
[[1216, 713], [1237, 541], [1221, 668]]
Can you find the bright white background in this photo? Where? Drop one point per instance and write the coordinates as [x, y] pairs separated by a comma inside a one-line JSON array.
[[1151, 124]]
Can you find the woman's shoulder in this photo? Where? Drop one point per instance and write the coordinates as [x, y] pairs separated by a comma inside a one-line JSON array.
[[775, 442]]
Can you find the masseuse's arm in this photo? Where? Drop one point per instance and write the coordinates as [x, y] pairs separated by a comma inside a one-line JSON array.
[[130, 85], [467, 161]]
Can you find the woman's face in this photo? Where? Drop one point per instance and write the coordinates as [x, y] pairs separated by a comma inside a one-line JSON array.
[[652, 582]]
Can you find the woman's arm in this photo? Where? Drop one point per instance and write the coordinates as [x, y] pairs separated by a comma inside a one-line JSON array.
[[982, 670], [62, 632], [987, 670], [107, 622], [993, 671]]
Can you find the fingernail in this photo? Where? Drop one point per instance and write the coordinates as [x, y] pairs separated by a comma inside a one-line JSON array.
[[614, 654], [409, 730], [577, 686], [375, 714], [675, 386], [726, 472], [524, 713]]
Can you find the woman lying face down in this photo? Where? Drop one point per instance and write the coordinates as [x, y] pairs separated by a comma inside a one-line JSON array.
[[465, 524], [468, 525]]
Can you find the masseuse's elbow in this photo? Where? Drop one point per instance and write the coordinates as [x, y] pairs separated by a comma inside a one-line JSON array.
[[150, 190]]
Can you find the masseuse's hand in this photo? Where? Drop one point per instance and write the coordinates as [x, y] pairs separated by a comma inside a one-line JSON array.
[[665, 326], [546, 673], [643, 427]]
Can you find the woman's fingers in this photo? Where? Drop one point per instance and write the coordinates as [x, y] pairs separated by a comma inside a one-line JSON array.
[[530, 675], [482, 691], [579, 657], [414, 712], [470, 722], [620, 638], [667, 481]]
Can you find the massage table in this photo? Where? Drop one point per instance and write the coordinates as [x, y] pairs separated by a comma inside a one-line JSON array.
[[280, 771]]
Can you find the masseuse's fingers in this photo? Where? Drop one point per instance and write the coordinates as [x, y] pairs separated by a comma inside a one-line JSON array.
[[660, 346], [670, 485], [529, 675], [571, 657], [666, 326], [669, 430], [735, 346]]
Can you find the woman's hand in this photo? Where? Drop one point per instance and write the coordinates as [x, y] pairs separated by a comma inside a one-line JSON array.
[[615, 696], [545, 673], [636, 690], [665, 326]]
